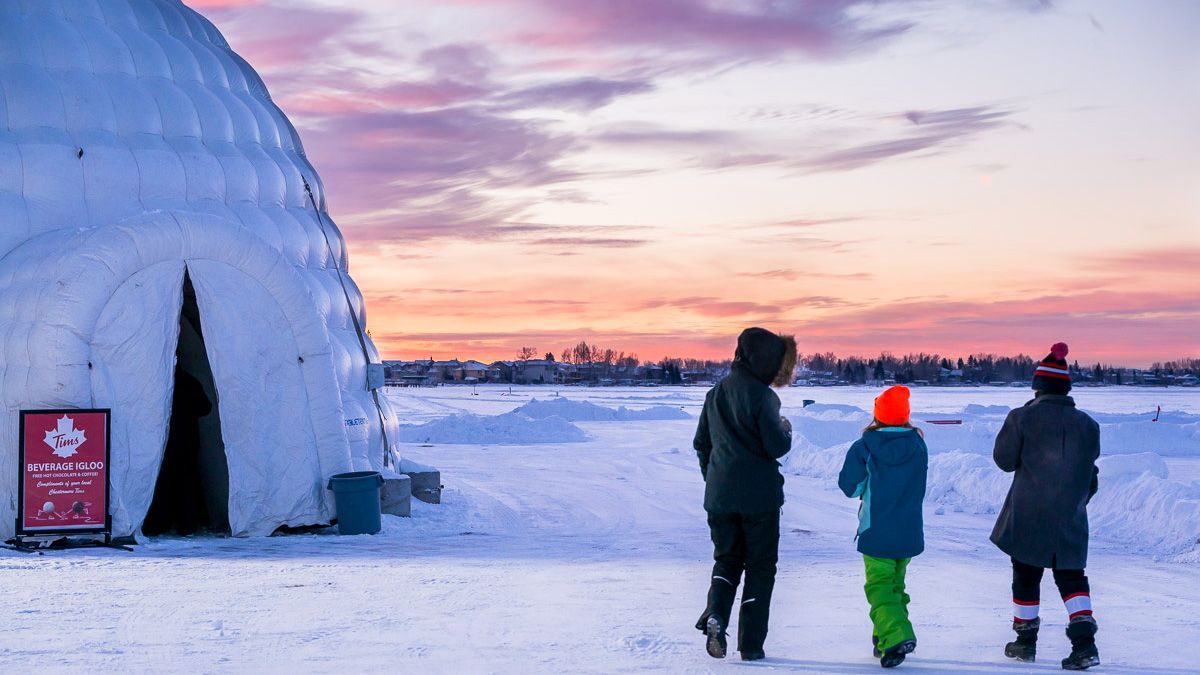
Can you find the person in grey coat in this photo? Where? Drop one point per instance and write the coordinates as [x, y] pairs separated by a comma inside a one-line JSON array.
[[1050, 447]]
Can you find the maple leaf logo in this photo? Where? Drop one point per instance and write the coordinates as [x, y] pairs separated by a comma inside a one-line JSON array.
[[65, 440]]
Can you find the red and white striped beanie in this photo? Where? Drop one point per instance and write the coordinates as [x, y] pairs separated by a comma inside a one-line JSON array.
[[1052, 375]]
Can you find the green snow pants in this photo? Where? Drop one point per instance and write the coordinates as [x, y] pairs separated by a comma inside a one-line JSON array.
[[889, 602]]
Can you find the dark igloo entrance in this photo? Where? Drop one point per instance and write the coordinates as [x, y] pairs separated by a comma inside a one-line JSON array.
[[192, 491]]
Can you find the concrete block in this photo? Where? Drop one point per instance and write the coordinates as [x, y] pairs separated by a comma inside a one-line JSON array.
[[395, 497], [426, 485]]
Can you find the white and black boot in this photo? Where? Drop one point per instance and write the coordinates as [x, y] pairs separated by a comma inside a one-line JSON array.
[[1024, 648], [1082, 633]]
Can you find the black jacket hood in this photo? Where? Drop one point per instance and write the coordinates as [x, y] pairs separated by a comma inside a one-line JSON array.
[[760, 352]]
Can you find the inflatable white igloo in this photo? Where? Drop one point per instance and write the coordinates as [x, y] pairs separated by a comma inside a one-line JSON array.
[[153, 202]]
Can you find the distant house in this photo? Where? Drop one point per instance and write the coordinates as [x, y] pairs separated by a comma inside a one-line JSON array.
[[407, 373], [473, 371], [652, 373], [587, 372], [539, 371], [950, 375], [500, 371], [391, 371], [446, 371]]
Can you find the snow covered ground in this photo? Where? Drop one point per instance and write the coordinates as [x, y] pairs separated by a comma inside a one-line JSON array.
[[584, 549]]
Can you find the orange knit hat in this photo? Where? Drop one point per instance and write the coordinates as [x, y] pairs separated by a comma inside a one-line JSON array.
[[891, 407]]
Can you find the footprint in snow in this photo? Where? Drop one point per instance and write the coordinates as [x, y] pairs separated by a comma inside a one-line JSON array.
[[651, 643]]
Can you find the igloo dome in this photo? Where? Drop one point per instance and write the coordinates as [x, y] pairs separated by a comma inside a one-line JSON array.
[[158, 216]]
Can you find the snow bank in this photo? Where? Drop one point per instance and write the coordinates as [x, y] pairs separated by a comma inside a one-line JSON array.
[[976, 409], [507, 429], [962, 481], [586, 411], [823, 425], [1132, 465], [833, 410], [1175, 434], [1138, 505], [1148, 512]]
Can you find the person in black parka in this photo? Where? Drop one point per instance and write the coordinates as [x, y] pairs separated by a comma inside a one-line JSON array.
[[1051, 448], [739, 439]]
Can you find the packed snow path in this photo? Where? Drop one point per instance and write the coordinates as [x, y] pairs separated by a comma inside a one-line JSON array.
[[572, 557]]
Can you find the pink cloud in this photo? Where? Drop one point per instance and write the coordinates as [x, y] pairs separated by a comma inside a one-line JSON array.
[[793, 275], [871, 140], [758, 28], [280, 38], [1181, 260]]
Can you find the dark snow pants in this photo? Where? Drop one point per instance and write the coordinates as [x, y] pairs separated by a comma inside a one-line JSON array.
[[1027, 591], [743, 543]]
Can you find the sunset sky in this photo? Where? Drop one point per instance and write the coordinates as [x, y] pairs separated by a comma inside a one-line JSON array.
[[654, 175]]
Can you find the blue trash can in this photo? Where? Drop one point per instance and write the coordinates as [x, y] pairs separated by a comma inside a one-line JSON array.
[[356, 495]]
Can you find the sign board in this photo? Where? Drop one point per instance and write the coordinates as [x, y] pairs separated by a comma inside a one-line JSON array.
[[63, 485]]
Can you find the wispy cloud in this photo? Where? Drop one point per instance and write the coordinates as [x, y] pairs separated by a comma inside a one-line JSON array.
[[794, 275], [1183, 260], [756, 29], [864, 140], [585, 242], [926, 131], [581, 94], [278, 37], [803, 223]]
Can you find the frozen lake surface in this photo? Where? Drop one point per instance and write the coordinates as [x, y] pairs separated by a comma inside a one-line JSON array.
[[592, 555]]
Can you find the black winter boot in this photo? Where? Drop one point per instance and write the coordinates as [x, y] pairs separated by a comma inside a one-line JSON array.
[[715, 618], [894, 656], [754, 615], [1024, 648], [1082, 633], [715, 643]]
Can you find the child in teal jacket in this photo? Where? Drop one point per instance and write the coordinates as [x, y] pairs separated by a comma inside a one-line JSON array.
[[886, 469]]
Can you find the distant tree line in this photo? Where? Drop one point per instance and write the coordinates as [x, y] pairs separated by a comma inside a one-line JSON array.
[[976, 368], [595, 362], [979, 368], [603, 362], [1180, 367]]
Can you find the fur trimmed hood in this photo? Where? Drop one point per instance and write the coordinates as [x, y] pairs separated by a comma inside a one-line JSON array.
[[769, 357]]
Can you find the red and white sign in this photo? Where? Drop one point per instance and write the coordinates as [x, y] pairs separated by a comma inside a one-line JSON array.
[[64, 471]]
